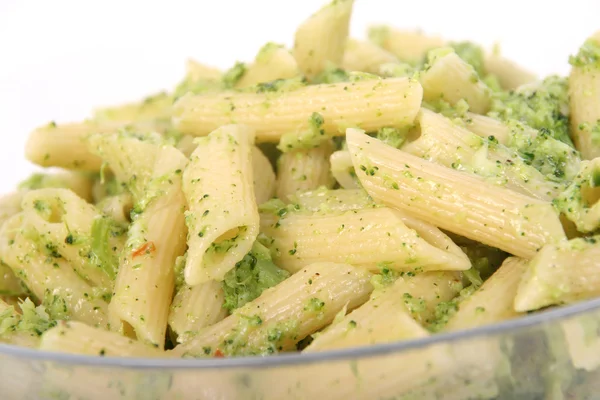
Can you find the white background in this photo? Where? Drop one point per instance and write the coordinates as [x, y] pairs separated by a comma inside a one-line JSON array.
[[59, 58]]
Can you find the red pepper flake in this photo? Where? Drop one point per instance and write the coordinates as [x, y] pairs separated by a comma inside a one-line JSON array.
[[219, 354], [146, 248]]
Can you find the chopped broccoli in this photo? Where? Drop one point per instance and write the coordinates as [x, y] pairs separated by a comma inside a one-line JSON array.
[[233, 75], [543, 106], [385, 277], [332, 75], [457, 111], [33, 320], [446, 309], [588, 55], [103, 255], [250, 277], [471, 53], [485, 260], [396, 70], [394, 137], [307, 139]]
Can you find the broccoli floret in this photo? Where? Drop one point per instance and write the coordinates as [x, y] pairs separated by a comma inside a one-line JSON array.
[[394, 137], [543, 106], [588, 55], [33, 320], [446, 309], [250, 277], [471, 54], [102, 254], [233, 75], [454, 112], [332, 75], [485, 260]]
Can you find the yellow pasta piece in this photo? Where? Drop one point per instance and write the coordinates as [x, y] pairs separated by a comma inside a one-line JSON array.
[[448, 199], [451, 79], [196, 307], [509, 74], [303, 170], [223, 216], [561, 273], [367, 104], [493, 301], [584, 100], [365, 56], [284, 314], [145, 281], [79, 338], [263, 176], [384, 318], [408, 46], [321, 39], [157, 106], [272, 62], [343, 170], [369, 237], [453, 146]]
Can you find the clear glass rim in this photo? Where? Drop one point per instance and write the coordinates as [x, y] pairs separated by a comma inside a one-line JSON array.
[[287, 359]]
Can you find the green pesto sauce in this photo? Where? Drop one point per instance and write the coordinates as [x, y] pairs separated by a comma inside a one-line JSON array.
[[588, 55]]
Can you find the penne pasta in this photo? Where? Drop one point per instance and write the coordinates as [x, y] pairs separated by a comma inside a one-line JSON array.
[[561, 273], [509, 74], [368, 104], [145, 281], [149, 109], [330, 201], [408, 46], [343, 170], [303, 170], [452, 146], [443, 197], [493, 301], [384, 318], [584, 92], [321, 39], [485, 127], [49, 277], [272, 62], [368, 237], [196, 307], [285, 314], [451, 79], [223, 216], [65, 145], [366, 56], [263, 176], [78, 338]]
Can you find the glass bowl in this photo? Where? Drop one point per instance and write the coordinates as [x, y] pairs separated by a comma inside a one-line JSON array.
[[554, 354]]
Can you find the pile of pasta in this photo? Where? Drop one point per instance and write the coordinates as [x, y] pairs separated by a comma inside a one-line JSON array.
[[342, 193]]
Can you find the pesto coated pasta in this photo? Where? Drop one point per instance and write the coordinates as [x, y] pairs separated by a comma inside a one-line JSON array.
[[345, 192]]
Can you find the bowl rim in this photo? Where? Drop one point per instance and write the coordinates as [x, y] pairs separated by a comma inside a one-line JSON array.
[[558, 314]]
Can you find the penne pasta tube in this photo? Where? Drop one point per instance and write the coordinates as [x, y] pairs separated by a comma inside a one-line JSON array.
[[197, 71], [321, 39], [493, 301], [65, 145], [117, 207], [453, 146], [384, 318], [223, 216], [196, 307], [584, 95], [151, 108], [263, 176], [272, 62], [452, 79], [343, 170], [78, 338], [424, 291], [366, 56], [408, 46], [49, 277], [509, 74], [303, 170], [145, 281], [559, 274], [329, 201], [579, 202], [485, 127], [88, 241], [368, 104], [369, 237], [284, 314], [492, 215]]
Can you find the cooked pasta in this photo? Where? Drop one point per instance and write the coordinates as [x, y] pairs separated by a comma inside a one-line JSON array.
[[339, 193]]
